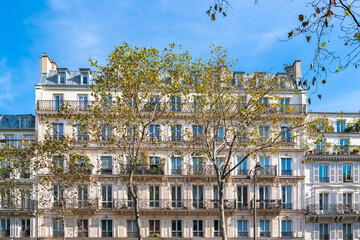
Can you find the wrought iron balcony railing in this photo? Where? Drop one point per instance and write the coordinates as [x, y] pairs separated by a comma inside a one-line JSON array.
[[348, 237], [286, 172], [201, 170], [324, 237], [269, 170], [174, 204], [243, 234], [179, 107], [264, 234], [5, 233], [16, 143], [323, 179], [333, 209], [24, 205], [269, 204], [286, 234], [146, 169], [25, 233]]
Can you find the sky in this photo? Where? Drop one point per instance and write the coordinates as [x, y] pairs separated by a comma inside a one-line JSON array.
[[70, 31]]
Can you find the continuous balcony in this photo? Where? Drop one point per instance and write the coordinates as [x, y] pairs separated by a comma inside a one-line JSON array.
[[16, 143], [144, 169], [24, 206], [169, 107], [333, 209]]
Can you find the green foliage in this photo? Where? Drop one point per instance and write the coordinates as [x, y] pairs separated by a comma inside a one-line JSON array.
[[154, 235]]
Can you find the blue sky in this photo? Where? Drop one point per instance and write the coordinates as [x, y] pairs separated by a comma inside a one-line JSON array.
[[71, 31]]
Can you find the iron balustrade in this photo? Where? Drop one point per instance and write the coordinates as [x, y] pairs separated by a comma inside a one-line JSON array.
[[132, 234], [264, 234], [17, 143], [168, 204], [176, 171], [25, 233], [243, 234], [242, 206], [324, 237], [348, 237], [83, 233], [5, 233], [243, 172], [286, 172], [176, 234], [286, 234], [347, 178], [23, 205], [268, 204], [267, 170], [201, 170], [168, 107], [146, 169], [323, 179], [333, 209], [286, 205]]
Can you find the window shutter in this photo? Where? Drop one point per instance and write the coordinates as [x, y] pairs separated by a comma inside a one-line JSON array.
[[333, 198], [340, 198], [356, 229], [316, 231], [332, 230], [316, 198], [332, 172], [356, 172], [340, 230], [316, 172], [356, 200], [340, 172]]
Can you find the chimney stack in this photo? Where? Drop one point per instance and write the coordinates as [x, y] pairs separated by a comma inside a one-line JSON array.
[[46, 64]]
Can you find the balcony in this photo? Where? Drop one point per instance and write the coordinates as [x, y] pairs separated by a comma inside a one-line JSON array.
[[143, 169], [268, 204], [242, 206], [25, 205], [5, 233], [269, 170], [83, 204], [286, 234], [286, 172], [243, 172], [169, 107], [168, 204], [264, 234], [348, 237], [243, 234], [16, 143], [132, 234], [323, 179], [347, 178], [324, 237], [332, 209], [25, 233], [201, 170], [337, 150], [176, 171], [287, 206]]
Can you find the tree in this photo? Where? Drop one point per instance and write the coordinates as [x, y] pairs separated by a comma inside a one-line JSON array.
[[132, 91], [242, 114], [333, 27], [63, 173]]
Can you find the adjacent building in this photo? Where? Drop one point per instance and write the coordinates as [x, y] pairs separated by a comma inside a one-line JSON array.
[[332, 180], [18, 205]]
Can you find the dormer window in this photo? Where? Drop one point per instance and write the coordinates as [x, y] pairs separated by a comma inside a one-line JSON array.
[[62, 78], [85, 78], [24, 122]]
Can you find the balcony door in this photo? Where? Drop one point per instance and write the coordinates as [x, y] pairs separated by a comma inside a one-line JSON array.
[[106, 194], [264, 196], [198, 197], [83, 102], [59, 100], [286, 197], [324, 202], [154, 196], [176, 196], [242, 197]]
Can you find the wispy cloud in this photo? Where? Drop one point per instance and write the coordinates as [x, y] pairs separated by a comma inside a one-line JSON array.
[[348, 102]]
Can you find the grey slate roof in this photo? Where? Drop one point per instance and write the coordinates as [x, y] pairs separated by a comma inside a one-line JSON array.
[[14, 122], [73, 78]]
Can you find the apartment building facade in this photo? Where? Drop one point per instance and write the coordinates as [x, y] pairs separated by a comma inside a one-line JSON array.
[[178, 194], [17, 204], [332, 180]]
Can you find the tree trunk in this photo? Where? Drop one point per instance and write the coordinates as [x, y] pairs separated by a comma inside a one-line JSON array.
[[137, 217], [222, 210], [134, 195]]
